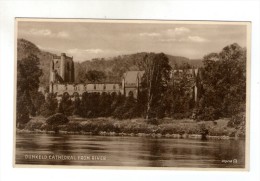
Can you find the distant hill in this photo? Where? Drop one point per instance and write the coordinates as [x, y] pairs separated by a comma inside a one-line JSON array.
[[181, 60], [25, 48], [113, 67], [196, 62]]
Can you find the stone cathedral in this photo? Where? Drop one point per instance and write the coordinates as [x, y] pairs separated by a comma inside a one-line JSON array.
[[62, 77]]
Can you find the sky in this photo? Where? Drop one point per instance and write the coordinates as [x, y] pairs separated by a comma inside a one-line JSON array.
[[88, 40]]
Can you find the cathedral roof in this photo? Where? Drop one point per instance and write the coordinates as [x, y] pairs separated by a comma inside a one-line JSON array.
[[131, 76]]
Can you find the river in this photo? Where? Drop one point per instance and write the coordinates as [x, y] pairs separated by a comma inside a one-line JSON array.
[[85, 150]]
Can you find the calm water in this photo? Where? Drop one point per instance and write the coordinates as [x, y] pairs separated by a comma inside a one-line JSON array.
[[47, 149]]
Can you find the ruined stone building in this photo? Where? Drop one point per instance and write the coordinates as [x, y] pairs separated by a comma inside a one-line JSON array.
[[131, 82], [62, 75], [62, 69]]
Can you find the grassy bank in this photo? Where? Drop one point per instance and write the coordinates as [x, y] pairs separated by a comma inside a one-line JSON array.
[[185, 128]]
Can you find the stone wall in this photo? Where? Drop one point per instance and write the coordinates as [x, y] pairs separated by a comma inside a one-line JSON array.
[[60, 89]]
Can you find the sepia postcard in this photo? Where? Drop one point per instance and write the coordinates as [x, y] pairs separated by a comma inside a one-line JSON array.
[[138, 94]]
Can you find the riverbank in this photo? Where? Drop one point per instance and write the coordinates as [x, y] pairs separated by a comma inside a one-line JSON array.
[[167, 127], [154, 135]]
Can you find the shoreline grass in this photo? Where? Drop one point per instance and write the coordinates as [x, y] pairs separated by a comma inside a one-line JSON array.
[[167, 127]]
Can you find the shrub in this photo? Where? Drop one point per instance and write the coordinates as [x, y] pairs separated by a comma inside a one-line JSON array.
[[203, 131], [74, 126], [153, 121], [236, 120], [34, 124], [56, 120], [182, 115], [207, 114]]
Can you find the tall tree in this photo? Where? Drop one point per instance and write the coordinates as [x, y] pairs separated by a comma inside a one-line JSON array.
[[85, 106], [155, 80], [224, 81], [181, 92], [105, 102], [130, 107], [28, 74], [117, 106], [49, 106], [90, 106], [76, 104], [38, 100], [66, 106]]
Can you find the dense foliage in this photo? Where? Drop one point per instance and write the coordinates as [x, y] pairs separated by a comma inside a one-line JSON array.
[[223, 83], [28, 74], [155, 83]]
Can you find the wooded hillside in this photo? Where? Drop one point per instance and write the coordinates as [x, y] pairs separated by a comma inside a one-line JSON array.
[[113, 67]]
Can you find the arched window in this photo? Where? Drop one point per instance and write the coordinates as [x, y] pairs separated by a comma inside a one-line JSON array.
[[104, 86], [95, 86], [114, 86], [130, 93]]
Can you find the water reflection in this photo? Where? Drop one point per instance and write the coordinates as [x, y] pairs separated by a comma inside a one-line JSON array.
[[130, 151]]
